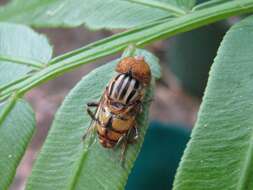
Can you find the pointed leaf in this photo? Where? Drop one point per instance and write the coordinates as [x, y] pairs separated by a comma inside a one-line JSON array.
[[20, 44], [95, 14], [16, 131], [65, 162], [220, 152]]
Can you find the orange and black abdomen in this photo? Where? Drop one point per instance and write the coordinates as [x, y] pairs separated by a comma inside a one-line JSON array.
[[111, 128]]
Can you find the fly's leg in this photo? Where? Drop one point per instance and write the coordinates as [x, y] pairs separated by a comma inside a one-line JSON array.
[[123, 150], [89, 137], [148, 101], [134, 136], [93, 117], [92, 104], [88, 131], [91, 127], [127, 139], [89, 105], [120, 141], [130, 137], [91, 114]]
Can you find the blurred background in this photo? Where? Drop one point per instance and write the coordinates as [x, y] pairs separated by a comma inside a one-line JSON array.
[[185, 61]]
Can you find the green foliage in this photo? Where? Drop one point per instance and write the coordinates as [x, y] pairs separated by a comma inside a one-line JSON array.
[[21, 50], [16, 131], [220, 152], [140, 36], [95, 14], [66, 162]]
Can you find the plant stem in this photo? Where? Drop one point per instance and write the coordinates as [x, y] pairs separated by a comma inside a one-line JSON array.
[[16, 60], [139, 36], [129, 52], [208, 4], [14, 82], [8, 107], [160, 5]]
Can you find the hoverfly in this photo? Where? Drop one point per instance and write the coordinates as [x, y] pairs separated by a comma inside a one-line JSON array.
[[121, 102]]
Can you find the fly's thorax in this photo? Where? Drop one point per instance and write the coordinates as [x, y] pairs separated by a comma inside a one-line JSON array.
[[124, 90]]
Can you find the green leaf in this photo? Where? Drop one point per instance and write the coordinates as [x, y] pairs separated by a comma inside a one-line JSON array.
[[207, 4], [139, 36], [17, 124], [220, 152], [95, 14], [21, 50], [65, 162]]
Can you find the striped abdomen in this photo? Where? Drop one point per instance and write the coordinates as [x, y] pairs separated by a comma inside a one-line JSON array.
[[125, 89], [110, 127]]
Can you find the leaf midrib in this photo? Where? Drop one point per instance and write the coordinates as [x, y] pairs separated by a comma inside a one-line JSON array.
[[77, 170]]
